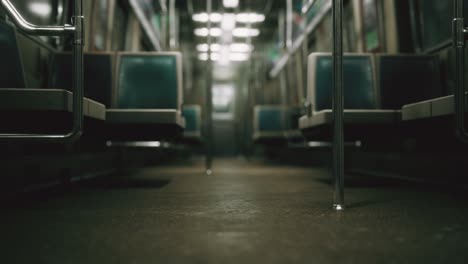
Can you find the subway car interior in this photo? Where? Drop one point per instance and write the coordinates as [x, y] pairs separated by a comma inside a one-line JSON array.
[[255, 131]]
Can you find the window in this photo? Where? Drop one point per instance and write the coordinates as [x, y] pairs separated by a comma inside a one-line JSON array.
[[370, 25], [119, 27], [99, 28]]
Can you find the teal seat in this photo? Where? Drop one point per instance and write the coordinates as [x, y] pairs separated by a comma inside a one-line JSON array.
[[270, 124], [359, 84], [193, 125], [148, 97], [362, 109], [275, 124], [192, 115], [12, 69], [269, 118], [149, 81], [406, 79], [98, 75]]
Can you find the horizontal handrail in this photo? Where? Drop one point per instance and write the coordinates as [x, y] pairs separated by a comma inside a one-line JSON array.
[[32, 29], [78, 43]]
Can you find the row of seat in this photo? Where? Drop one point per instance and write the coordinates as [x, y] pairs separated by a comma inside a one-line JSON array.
[[376, 87], [276, 124], [380, 91], [136, 96]]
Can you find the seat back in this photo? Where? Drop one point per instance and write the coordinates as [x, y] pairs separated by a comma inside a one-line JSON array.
[[293, 115], [358, 78], [405, 79], [149, 80], [11, 65], [98, 75], [270, 118], [192, 116]]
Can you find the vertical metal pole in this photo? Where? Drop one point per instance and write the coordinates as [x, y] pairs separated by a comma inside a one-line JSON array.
[[209, 101], [284, 95], [281, 29], [289, 24], [305, 55], [246, 139], [459, 93], [286, 21], [173, 40], [338, 105], [78, 44]]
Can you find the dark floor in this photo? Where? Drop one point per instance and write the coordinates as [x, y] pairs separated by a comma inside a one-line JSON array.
[[245, 213]]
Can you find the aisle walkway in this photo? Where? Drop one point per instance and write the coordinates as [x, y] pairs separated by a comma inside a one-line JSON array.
[[245, 213]]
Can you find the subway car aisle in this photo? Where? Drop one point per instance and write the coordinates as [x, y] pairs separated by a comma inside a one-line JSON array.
[[247, 212]]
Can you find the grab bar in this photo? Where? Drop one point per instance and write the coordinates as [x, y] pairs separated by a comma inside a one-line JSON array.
[[77, 29], [459, 37], [338, 106]]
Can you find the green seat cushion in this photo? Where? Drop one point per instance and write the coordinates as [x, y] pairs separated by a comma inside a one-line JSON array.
[[147, 81], [359, 89], [407, 79], [97, 75], [192, 118], [270, 119]]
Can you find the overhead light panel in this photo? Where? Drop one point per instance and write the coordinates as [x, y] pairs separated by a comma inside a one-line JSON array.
[[218, 17], [204, 56], [250, 18], [234, 47], [240, 47], [231, 3], [229, 22], [245, 32], [40, 9], [203, 32], [239, 56], [235, 56], [204, 17], [204, 47]]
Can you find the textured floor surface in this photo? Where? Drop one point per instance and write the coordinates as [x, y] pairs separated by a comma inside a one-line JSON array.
[[244, 213]]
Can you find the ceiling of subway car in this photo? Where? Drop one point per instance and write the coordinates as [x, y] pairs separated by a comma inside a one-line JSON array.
[[268, 28]]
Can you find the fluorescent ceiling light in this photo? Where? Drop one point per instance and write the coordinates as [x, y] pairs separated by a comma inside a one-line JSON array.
[[204, 47], [239, 56], [234, 47], [40, 9], [203, 32], [236, 56], [245, 32], [250, 18], [229, 22], [204, 56], [218, 17], [241, 47], [215, 56], [203, 17], [231, 3]]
